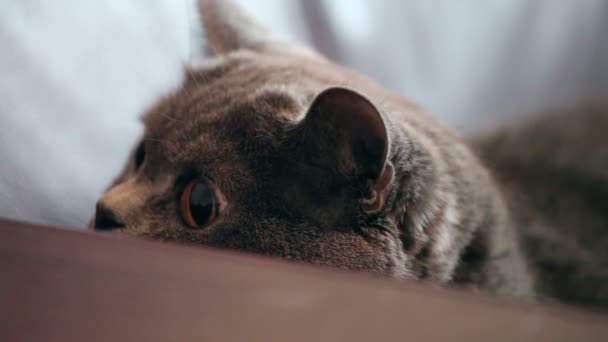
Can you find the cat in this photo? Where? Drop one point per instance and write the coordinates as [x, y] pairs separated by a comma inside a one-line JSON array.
[[270, 148]]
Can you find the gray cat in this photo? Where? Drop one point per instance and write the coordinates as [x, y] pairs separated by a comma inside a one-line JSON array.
[[270, 148]]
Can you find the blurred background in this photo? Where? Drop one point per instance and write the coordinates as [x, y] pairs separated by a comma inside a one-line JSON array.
[[76, 75]]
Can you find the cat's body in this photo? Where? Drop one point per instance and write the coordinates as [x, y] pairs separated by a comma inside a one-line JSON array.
[[295, 162], [553, 172]]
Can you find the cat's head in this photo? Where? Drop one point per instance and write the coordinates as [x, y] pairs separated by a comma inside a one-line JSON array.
[[266, 148]]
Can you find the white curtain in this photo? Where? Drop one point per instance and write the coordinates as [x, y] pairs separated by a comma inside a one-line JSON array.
[[75, 75]]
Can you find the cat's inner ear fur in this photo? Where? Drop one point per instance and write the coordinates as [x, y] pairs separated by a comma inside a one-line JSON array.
[[344, 129]]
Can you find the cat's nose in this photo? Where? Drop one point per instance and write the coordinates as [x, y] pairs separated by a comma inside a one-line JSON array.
[[105, 219]]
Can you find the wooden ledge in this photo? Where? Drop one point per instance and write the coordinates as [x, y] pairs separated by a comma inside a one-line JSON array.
[[65, 285]]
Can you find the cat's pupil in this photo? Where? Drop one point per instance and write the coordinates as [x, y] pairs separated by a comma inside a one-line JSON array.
[[140, 155], [202, 202]]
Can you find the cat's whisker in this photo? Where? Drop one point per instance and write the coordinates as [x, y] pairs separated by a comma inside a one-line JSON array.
[[169, 117], [155, 140], [187, 92]]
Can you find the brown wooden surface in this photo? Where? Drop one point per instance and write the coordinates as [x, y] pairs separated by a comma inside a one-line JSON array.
[[61, 285]]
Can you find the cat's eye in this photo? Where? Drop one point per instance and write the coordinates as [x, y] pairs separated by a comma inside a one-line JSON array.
[[200, 203], [139, 156]]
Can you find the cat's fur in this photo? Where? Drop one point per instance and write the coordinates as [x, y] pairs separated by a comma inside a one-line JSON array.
[[553, 173], [320, 165]]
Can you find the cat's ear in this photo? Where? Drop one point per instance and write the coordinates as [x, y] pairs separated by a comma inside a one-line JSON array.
[[345, 132], [229, 28]]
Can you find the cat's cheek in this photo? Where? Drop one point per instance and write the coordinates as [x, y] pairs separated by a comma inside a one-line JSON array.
[[134, 231], [155, 226]]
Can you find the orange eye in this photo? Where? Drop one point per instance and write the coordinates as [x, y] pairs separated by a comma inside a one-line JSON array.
[[199, 204]]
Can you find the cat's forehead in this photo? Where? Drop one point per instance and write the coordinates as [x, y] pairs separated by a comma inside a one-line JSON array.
[[217, 88], [225, 107]]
